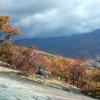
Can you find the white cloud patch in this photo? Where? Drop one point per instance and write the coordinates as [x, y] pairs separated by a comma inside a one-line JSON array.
[[38, 18], [53, 17]]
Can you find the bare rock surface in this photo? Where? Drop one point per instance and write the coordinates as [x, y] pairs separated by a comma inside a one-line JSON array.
[[13, 87]]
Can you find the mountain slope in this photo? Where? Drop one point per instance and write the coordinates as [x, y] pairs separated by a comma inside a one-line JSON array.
[[81, 45], [25, 89]]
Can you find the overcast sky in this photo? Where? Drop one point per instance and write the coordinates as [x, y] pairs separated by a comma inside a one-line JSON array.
[[52, 17]]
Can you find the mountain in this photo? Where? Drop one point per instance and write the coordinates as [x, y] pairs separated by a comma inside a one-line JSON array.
[[81, 45]]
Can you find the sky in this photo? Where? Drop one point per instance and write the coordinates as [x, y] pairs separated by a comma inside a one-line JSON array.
[[51, 18]]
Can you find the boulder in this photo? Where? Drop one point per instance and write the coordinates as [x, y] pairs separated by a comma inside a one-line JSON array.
[[44, 73]]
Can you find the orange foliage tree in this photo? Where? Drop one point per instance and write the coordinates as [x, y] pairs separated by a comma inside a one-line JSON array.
[[6, 30], [77, 74]]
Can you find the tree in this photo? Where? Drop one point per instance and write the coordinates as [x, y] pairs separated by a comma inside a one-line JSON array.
[[77, 73], [96, 75], [40, 62], [6, 35], [6, 30], [22, 61]]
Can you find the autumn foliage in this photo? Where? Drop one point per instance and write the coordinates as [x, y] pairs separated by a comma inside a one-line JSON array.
[[6, 30], [29, 60], [76, 72]]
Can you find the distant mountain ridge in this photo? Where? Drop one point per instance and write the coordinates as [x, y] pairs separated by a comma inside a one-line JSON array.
[[81, 45]]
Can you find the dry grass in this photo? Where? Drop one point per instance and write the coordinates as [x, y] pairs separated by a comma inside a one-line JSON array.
[[53, 83], [7, 70]]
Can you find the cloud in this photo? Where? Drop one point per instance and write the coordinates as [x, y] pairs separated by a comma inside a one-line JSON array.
[[52, 17]]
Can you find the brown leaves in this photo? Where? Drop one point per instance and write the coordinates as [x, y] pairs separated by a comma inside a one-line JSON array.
[[4, 19], [7, 30]]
